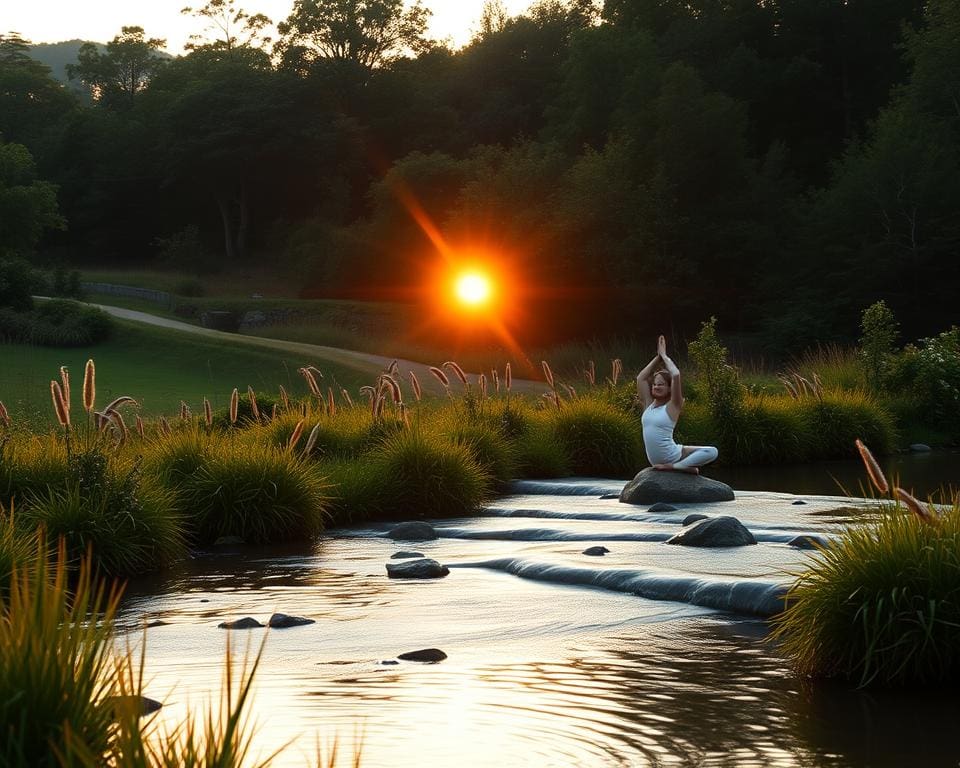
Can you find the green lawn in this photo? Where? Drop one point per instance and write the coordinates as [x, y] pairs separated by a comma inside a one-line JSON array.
[[158, 367]]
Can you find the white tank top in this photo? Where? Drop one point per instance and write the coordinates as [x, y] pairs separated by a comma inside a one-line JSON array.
[[658, 435]]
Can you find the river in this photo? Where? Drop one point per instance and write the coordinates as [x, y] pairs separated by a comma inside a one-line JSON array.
[[553, 658]]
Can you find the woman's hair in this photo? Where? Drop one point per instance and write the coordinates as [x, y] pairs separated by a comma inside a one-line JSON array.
[[665, 374]]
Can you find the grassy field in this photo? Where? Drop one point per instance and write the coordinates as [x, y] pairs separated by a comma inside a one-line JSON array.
[[159, 367]]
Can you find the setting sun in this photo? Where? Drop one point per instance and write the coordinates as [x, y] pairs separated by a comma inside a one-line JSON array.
[[473, 288]]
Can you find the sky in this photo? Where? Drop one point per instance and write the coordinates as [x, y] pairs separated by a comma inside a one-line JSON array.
[[50, 21]]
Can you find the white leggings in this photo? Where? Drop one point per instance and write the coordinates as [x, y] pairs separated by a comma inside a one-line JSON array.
[[702, 454]]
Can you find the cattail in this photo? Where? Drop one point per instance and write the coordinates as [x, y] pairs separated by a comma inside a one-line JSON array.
[[59, 408], [207, 413], [312, 439], [65, 382], [118, 401], [295, 436], [924, 513], [482, 383], [346, 396], [117, 420], [184, 411], [164, 425], [547, 373], [873, 469], [390, 383], [496, 379], [590, 374], [394, 368], [284, 398], [415, 383], [331, 405], [311, 381], [616, 370], [4, 416], [140, 430], [251, 395], [89, 386], [457, 371], [791, 390], [369, 391], [508, 377], [440, 376], [234, 405]]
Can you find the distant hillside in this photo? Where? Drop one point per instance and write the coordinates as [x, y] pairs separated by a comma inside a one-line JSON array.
[[58, 55]]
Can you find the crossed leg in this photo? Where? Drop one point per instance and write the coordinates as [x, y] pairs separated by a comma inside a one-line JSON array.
[[692, 457]]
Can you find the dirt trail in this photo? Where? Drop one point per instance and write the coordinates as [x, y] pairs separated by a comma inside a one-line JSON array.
[[362, 362]]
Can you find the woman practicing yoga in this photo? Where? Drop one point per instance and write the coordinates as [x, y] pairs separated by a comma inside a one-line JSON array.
[[662, 398]]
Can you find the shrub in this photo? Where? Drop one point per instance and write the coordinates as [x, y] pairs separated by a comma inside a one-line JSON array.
[[880, 330], [722, 389], [18, 283], [129, 523], [880, 604], [495, 455], [837, 418], [56, 323], [256, 492], [357, 490], [539, 454], [599, 439], [930, 374], [16, 547], [30, 466]]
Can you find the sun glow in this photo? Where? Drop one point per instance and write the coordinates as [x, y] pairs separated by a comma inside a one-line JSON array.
[[473, 288]]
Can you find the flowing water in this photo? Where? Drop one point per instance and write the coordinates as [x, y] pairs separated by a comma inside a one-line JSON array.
[[649, 655]]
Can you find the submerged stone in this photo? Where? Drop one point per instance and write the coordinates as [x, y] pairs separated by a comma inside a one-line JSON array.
[[798, 502], [247, 622], [422, 568], [723, 531], [282, 621], [692, 518], [429, 655], [661, 507], [415, 531], [807, 541], [651, 486], [595, 551], [919, 447], [405, 555]]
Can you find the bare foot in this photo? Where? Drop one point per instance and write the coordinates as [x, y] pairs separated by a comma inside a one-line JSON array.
[[688, 470], [663, 467]]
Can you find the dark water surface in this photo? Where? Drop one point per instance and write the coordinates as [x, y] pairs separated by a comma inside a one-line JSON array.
[[541, 670]]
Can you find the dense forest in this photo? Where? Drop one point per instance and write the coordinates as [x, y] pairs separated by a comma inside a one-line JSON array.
[[780, 164]]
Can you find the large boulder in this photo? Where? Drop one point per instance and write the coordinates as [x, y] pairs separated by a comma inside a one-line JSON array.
[[652, 485], [723, 531], [422, 568], [415, 531]]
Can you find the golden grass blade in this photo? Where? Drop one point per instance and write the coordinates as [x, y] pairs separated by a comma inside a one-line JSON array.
[[89, 386], [312, 439], [346, 396], [140, 430], [457, 371], [496, 380], [415, 385], [295, 436], [925, 513], [440, 376], [284, 398], [251, 395], [873, 468], [331, 405], [59, 409], [207, 413], [4, 415], [548, 374], [65, 382], [508, 377], [234, 405]]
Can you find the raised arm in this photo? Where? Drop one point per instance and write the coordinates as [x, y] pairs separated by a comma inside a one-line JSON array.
[[676, 388], [643, 381]]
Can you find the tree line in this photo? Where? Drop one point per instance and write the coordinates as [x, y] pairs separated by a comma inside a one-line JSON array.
[[779, 164]]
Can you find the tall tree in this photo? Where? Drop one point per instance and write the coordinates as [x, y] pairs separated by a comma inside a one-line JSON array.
[[117, 76], [230, 31], [28, 205], [369, 33]]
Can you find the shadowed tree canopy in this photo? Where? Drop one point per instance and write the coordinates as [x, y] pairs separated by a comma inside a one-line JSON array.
[[123, 71], [28, 205], [370, 33], [230, 32]]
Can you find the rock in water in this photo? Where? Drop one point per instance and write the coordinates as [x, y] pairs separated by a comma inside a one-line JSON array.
[[595, 551], [431, 655], [651, 486], [692, 518], [247, 622], [416, 531], [423, 568], [723, 531], [405, 555], [282, 621], [808, 541], [661, 507]]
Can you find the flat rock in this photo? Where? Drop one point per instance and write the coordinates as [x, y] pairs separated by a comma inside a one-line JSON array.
[[723, 531], [405, 555], [651, 486], [247, 622], [595, 551], [807, 541], [798, 502], [282, 621], [415, 531], [429, 655], [692, 518], [661, 507], [421, 568], [919, 447]]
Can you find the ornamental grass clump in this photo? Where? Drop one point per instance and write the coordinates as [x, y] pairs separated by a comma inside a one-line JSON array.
[[493, 452], [881, 603], [257, 492], [16, 547], [600, 439]]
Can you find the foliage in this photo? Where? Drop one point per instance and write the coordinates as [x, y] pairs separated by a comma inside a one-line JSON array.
[[880, 604], [119, 74], [256, 492], [16, 548], [28, 206], [539, 453], [56, 323], [879, 328], [930, 374], [18, 283], [184, 250], [599, 439]]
